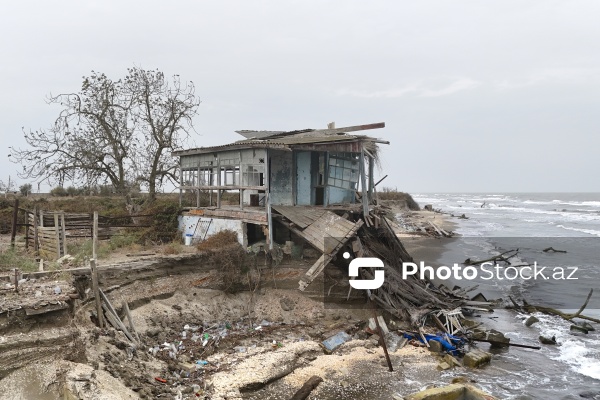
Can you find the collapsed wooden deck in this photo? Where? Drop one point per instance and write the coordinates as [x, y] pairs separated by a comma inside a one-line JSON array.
[[324, 230]]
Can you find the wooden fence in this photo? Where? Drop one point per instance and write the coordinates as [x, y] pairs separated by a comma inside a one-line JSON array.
[[48, 231]]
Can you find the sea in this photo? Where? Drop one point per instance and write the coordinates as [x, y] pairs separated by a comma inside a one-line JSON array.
[[529, 223]]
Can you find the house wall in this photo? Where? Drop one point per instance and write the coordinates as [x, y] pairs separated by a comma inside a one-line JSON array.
[[282, 168], [188, 223]]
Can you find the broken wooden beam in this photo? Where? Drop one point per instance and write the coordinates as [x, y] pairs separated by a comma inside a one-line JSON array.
[[307, 388]]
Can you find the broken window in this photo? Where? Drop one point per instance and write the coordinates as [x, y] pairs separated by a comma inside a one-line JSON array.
[[343, 170]]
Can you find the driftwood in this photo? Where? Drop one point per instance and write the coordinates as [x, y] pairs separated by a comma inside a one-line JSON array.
[[525, 346], [502, 257], [307, 388], [553, 250], [552, 311]]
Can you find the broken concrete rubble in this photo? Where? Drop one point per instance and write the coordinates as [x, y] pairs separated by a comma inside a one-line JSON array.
[[476, 358], [451, 392]]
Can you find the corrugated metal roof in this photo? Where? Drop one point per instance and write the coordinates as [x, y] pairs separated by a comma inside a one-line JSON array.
[[286, 140]]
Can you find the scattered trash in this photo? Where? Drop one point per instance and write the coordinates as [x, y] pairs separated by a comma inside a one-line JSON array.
[[382, 324], [335, 341], [394, 341], [161, 380]]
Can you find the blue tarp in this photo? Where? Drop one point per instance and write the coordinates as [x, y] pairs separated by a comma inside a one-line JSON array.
[[450, 347]]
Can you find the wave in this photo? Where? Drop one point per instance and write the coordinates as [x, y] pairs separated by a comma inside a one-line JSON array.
[[581, 358], [588, 231], [581, 354]]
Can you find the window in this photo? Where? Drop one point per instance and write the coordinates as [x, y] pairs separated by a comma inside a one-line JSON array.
[[343, 170]]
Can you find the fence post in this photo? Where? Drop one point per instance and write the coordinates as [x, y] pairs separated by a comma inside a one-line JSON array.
[[96, 291], [63, 233], [36, 246], [57, 234], [95, 236], [13, 232]]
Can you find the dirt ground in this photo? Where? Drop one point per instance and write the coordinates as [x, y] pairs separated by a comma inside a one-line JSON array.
[[202, 343], [210, 344]]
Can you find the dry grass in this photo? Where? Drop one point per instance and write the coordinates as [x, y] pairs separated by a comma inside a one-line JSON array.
[[171, 249], [393, 194], [218, 241]]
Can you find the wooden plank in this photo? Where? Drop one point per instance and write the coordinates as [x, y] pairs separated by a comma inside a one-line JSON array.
[[322, 262], [36, 244], [363, 184], [95, 236], [46, 309], [13, 231], [130, 319], [114, 316], [62, 233], [57, 234], [96, 291]]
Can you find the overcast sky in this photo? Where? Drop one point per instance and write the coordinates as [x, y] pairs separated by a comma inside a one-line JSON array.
[[496, 96]]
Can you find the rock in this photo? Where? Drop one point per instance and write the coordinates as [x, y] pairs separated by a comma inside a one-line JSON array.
[[531, 320], [590, 394], [452, 361], [435, 346], [588, 326], [287, 304], [479, 334], [460, 379], [374, 339], [577, 328], [66, 259], [187, 366], [176, 307], [469, 323], [443, 366], [476, 358], [546, 340], [498, 337], [479, 297]]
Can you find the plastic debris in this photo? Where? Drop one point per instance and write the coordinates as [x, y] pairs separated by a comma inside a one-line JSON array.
[[335, 341]]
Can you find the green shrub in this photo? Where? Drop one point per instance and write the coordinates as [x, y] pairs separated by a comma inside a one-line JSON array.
[[59, 191]]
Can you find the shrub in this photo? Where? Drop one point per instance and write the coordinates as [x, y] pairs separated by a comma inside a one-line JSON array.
[[388, 193], [59, 191], [218, 240], [25, 189], [161, 220]]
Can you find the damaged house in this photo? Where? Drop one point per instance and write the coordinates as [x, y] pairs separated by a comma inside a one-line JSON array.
[[309, 187], [293, 186]]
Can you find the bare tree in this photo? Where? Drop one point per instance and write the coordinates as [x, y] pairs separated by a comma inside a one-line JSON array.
[[118, 132]]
